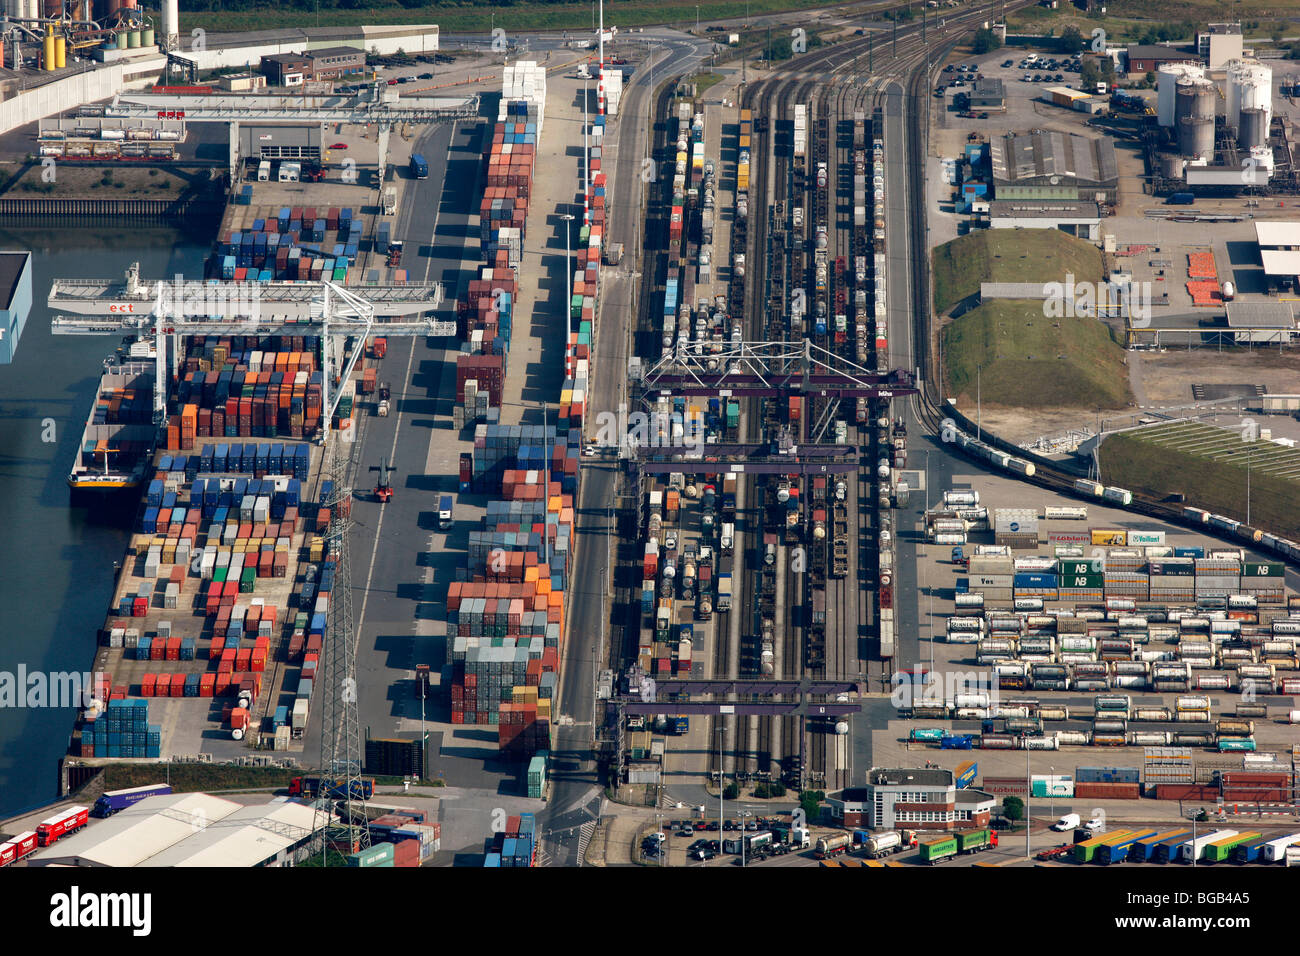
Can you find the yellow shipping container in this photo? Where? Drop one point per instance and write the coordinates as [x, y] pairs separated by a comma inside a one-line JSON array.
[[1110, 536]]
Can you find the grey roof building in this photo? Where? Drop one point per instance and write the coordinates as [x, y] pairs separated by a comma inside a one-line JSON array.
[[1053, 165]]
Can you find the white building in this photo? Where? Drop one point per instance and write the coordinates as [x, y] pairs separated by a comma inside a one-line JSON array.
[[1081, 219], [918, 799], [188, 829]]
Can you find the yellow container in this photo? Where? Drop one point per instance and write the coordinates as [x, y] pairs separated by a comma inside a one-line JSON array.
[[60, 52], [47, 52]]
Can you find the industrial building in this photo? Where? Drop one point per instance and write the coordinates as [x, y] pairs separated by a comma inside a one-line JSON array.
[[1147, 57], [988, 94], [1081, 219], [1279, 252], [1260, 323], [1054, 165], [286, 69], [281, 141], [330, 63], [917, 799], [1219, 43], [243, 82], [189, 829], [15, 300]]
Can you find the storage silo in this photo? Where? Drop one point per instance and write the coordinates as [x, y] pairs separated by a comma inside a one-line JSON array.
[[1167, 77], [1196, 137], [1249, 87], [60, 52], [1171, 165], [1252, 128], [1263, 156], [47, 50], [171, 23]]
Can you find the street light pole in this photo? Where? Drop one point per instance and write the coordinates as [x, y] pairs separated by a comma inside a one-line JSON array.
[[1029, 791]]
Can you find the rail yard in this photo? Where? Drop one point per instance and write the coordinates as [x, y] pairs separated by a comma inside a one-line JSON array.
[[594, 474]]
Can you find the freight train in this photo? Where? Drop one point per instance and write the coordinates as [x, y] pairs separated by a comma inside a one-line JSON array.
[[1123, 498]]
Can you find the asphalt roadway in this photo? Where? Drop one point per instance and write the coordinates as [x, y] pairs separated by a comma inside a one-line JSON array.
[[576, 793]]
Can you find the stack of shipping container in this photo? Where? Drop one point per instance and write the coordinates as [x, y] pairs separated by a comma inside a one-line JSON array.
[[247, 386], [300, 243], [121, 729], [516, 845]]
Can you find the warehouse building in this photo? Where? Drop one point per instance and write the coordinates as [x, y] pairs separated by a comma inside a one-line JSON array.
[[1279, 253], [917, 799], [190, 829], [1054, 165], [1220, 43], [1081, 219]]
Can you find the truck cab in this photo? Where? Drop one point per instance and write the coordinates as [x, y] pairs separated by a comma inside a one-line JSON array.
[[959, 557], [445, 512]]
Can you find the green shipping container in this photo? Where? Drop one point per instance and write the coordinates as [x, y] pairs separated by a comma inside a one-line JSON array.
[[1078, 566], [381, 854], [219, 575], [246, 580], [968, 840], [1220, 850], [1262, 569], [1091, 580], [937, 850]]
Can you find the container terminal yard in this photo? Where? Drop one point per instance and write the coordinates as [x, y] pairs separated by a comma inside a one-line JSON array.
[[606, 472]]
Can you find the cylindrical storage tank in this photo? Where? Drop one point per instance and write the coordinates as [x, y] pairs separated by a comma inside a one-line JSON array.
[[1171, 165], [47, 52], [1129, 681], [1263, 156], [1151, 713], [1076, 738], [133, 39], [1166, 84], [60, 52], [171, 20], [1054, 713], [1249, 85], [1194, 98], [1196, 138], [1294, 716], [147, 37], [1252, 128]]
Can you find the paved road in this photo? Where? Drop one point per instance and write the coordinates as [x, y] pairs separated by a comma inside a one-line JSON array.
[[573, 780]]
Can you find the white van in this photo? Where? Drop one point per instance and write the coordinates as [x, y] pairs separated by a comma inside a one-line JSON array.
[[1067, 822]]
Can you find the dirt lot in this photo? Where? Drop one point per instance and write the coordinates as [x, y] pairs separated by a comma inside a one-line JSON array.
[[1167, 378]]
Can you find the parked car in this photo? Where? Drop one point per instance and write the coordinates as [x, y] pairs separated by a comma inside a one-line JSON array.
[[1007, 63], [426, 76], [984, 116], [685, 832], [703, 854], [338, 146], [392, 82]]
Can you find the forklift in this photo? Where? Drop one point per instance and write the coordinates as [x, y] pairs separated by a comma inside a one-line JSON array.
[[384, 488]]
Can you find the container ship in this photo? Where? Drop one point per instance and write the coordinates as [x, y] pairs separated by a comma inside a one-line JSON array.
[[120, 437]]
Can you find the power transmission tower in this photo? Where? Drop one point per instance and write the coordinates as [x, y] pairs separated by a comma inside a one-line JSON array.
[[341, 755]]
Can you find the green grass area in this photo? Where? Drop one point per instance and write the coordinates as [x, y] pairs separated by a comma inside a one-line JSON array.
[[192, 777], [1029, 361], [1009, 255], [467, 17], [703, 81], [1208, 465]]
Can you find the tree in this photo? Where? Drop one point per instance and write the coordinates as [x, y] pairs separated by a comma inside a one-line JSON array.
[[1088, 73], [1277, 36], [776, 789], [1151, 80], [731, 792], [810, 801], [1013, 808], [1071, 40], [984, 41]]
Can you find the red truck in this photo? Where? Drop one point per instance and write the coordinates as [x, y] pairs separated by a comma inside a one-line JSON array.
[[68, 821], [17, 848]]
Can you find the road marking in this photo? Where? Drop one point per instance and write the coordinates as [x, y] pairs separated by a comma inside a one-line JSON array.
[[379, 525]]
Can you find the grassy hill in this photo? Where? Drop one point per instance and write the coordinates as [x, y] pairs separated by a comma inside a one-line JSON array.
[[1029, 361], [1009, 255]]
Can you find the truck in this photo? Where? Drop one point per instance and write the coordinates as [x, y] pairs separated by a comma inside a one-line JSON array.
[[113, 801], [830, 846], [680, 726], [61, 824], [310, 787], [390, 200], [445, 518], [724, 591], [749, 842], [613, 253], [883, 844], [961, 843], [419, 168]]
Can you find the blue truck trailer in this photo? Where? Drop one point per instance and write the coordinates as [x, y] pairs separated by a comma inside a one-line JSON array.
[[113, 801]]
